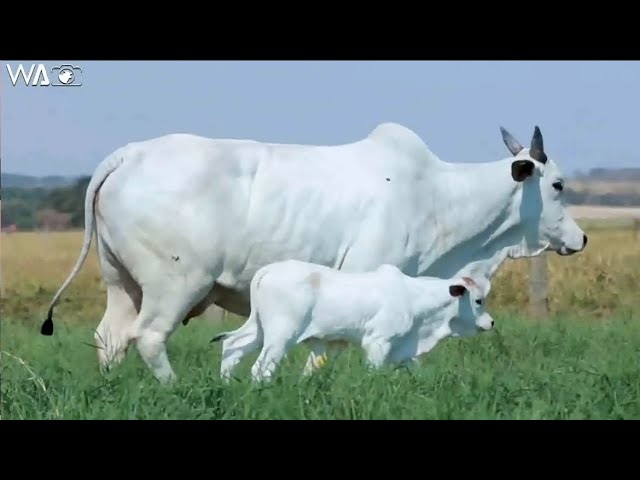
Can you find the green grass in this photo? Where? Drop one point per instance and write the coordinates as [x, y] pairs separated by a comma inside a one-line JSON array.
[[559, 369]]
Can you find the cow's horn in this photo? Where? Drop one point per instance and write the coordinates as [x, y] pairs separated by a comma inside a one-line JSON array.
[[537, 146], [512, 144]]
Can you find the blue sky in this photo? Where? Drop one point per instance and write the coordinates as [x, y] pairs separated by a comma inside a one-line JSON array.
[[587, 111]]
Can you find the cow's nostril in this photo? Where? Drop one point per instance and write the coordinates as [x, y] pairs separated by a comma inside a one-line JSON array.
[[584, 241]]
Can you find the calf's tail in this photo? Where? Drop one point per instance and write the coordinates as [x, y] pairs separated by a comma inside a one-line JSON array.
[[220, 336], [253, 322], [100, 175]]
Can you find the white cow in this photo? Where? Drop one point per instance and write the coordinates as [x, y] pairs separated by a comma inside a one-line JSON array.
[[392, 316], [183, 222]]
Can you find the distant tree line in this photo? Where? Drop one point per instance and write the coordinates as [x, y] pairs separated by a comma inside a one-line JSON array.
[[613, 199], [630, 174], [45, 208]]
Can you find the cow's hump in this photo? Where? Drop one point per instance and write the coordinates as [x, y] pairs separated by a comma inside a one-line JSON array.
[[403, 139]]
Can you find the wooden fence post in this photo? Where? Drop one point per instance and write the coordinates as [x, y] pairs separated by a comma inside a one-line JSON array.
[[539, 286]]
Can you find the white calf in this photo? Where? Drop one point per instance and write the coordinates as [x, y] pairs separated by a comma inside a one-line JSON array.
[[392, 316]]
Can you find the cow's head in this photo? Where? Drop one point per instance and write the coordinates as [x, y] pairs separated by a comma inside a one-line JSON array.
[[472, 316], [547, 222]]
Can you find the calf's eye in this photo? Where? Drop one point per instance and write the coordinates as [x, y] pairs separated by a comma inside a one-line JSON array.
[[558, 186], [479, 302]]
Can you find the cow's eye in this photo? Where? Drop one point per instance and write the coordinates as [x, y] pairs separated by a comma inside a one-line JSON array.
[[558, 186], [479, 302]]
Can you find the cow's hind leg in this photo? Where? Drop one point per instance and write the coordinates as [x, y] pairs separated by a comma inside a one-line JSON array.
[[124, 296], [164, 305], [113, 335]]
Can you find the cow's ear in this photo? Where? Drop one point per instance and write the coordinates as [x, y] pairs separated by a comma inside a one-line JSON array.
[[457, 290], [522, 169]]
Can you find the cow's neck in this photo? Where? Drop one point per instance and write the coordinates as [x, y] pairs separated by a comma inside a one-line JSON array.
[[433, 314], [477, 220], [430, 301]]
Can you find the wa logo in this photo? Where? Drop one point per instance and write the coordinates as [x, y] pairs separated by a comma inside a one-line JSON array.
[[65, 75]]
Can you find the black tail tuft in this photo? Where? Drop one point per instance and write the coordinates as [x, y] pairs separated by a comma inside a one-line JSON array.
[[220, 336], [47, 325]]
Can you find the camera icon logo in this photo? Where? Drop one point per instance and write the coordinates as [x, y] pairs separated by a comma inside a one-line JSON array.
[[66, 75]]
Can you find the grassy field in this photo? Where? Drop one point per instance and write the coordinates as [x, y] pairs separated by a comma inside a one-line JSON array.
[[562, 369], [582, 363]]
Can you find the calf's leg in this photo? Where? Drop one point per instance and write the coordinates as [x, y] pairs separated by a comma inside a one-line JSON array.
[[268, 361], [377, 352], [238, 344], [321, 353], [317, 357], [276, 344]]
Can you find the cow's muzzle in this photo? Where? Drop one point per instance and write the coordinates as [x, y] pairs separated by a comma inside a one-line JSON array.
[[566, 251]]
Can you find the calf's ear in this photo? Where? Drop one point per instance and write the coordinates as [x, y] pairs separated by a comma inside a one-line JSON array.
[[521, 170], [457, 290], [469, 281]]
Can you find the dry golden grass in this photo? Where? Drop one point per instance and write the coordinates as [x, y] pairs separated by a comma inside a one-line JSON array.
[[601, 212], [35, 264], [600, 281]]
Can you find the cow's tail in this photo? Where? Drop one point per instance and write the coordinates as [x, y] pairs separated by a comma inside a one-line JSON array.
[[252, 325], [100, 175]]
